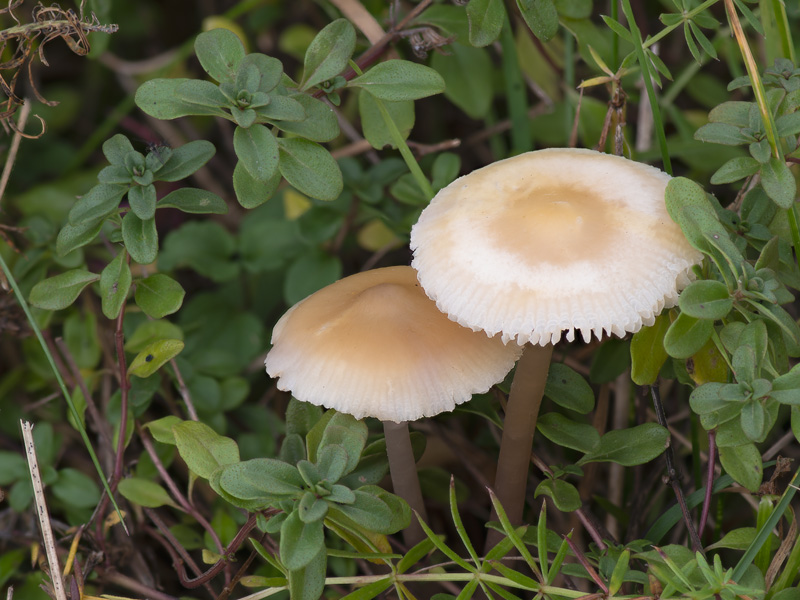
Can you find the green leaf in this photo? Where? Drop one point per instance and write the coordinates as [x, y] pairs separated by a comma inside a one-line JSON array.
[[328, 53], [308, 583], [311, 509], [368, 511], [141, 238], [194, 201], [565, 495], [569, 389], [261, 478], [80, 334], [283, 109], [115, 282], [778, 182], [786, 388], [465, 71], [320, 124], [721, 133], [629, 447], [99, 202], [744, 364], [115, 174], [75, 489], [369, 591], [264, 73], [568, 433], [185, 160], [159, 295], [735, 169], [736, 539], [788, 124], [706, 299], [203, 449], [735, 113], [142, 199], [219, 51], [203, 95], [57, 293], [309, 273], [332, 462], [152, 331], [116, 148], [687, 335], [743, 463], [400, 80], [541, 17], [257, 150], [753, 420], [243, 118], [485, 21], [690, 208], [373, 125], [647, 351], [72, 237], [154, 356], [300, 542], [159, 98], [144, 492], [250, 192], [347, 432], [310, 168]]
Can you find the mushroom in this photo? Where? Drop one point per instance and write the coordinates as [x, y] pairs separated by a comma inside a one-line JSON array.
[[373, 344], [547, 243]]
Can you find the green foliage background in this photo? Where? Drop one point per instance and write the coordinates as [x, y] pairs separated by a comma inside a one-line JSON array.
[[213, 163]]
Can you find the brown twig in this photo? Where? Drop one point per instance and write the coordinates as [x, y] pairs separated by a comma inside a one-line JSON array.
[[176, 493], [184, 392], [712, 447], [91, 407], [15, 142], [673, 476]]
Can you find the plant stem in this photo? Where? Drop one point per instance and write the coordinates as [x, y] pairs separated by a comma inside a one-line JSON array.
[[405, 481], [644, 63], [519, 427], [712, 460], [784, 32], [674, 476], [516, 94], [65, 393], [400, 143]]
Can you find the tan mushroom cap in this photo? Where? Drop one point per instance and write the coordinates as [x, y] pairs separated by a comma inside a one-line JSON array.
[[373, 344], [553, 241]]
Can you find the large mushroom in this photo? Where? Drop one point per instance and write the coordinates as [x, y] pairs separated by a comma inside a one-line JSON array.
[[373, 344], [544, 244]]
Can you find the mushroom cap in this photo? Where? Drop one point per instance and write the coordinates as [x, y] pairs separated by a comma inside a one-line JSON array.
[[553, 241], [373, 344]]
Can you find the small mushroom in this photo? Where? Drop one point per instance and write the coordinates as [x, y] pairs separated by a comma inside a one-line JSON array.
[[544, 244], [373, 344]]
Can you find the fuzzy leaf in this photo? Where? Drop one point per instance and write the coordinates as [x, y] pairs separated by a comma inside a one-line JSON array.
[[400, 80], [57, 293], [328, 53]]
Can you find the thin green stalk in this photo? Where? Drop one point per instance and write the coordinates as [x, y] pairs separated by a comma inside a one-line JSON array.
[[763, 107], [658, 123], [516, 95], [615, 37], [784, 32], [400, 142], [762, 537], [76, 417], [789, 571], [569, 83]]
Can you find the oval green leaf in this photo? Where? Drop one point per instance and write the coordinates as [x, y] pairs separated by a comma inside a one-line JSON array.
[[153, 357], [57, 293], [687, 335], [115, 282], [630, 447], [159, 295], [310, 168]]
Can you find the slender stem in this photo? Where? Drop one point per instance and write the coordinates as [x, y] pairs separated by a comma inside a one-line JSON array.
[[515, 92], [644, 63], [405, 480], [519, 426], [124, 386], [784, 32], [400, 143], [712, 460], [674, 476], [65, 393]]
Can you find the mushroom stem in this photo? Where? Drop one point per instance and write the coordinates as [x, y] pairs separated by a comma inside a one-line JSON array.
[[519, 426], [405, 481]]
